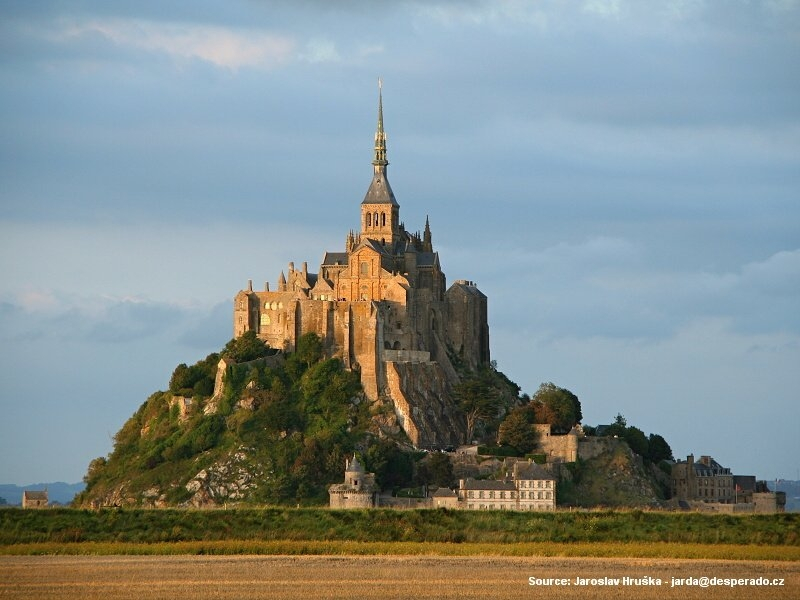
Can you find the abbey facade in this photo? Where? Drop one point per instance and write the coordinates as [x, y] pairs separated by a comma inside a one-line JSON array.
[[383, 306]]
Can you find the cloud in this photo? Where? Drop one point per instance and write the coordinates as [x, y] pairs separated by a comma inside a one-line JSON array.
[[320, 51], [224, 47], [614, 287]]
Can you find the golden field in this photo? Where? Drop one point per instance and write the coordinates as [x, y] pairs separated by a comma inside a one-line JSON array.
[[379, 577]]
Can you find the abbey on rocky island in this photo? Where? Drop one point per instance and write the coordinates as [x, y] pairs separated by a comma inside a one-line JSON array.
[[383, 307]]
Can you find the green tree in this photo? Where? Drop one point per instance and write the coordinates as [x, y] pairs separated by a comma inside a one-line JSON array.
[[393, 468], [658, 448], [636, 440], [95, 471], [617, 428], [181, 379], [309, 349], [246, 347], [435, 469], [558, 406], [517, 429], [478, 400]]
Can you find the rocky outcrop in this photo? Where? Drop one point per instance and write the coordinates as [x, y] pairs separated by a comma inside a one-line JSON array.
[[423, 404], [615, 476], [228, 480]]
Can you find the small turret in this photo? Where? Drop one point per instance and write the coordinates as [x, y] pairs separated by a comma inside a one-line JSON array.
[[427, 244]]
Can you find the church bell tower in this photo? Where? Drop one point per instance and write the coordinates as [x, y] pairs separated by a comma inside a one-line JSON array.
[[380, 212]]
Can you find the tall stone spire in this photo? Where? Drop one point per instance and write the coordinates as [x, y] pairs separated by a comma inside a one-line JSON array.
[[380, 212], [380, 161]]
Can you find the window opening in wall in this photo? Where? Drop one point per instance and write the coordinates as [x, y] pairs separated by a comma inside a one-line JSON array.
[[383, 219], [369, 219]]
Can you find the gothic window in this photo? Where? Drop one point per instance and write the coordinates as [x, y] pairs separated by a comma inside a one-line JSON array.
[[383, 219], [375, 217], [369, 219]]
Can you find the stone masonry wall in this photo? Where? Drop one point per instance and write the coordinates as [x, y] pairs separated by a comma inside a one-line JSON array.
[[423, 404]]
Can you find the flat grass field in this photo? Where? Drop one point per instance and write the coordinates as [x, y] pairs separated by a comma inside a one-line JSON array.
[[383, 577]]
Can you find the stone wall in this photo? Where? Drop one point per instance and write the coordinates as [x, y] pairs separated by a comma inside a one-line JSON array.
[[557, 448], [351, 499], [420, 393], [410, 356]]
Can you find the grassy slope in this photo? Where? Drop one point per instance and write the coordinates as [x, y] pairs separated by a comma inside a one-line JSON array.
[[391, 526]]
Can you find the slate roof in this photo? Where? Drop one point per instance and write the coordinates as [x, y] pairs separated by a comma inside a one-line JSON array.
[[532, 471], [331, 258], [488, 484], [469, 288], [380, 192], [426, 259]]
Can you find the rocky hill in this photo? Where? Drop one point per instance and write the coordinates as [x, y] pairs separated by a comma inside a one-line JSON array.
[[250, 425], [253, 426], [614, 477]]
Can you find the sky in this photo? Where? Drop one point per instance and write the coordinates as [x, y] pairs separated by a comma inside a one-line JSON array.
[[621, 178]]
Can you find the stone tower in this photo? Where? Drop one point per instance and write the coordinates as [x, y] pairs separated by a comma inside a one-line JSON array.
[[383, 307], [380, 212]]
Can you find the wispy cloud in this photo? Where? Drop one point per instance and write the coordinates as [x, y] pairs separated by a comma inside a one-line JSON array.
[[224, 47]]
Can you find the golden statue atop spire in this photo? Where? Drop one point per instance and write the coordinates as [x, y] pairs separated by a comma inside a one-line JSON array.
[[380, 135]]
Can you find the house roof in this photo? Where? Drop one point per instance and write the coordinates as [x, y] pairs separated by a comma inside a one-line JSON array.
[[488, 484], [531, 471], [444, 492], [35, 495]]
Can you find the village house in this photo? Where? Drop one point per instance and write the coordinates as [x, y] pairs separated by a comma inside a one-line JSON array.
[[704, 480], [34, 499], [530, 488]]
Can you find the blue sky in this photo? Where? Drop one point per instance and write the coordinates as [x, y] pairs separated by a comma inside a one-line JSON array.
[[622, 179]]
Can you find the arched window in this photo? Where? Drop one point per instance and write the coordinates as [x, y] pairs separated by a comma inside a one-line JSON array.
[[369, 219], [375, 217], [383, 219]]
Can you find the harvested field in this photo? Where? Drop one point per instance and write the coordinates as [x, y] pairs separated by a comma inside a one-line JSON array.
[[376, 577]]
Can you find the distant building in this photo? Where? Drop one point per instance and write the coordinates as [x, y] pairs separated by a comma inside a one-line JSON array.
[[445, 498], [704, 480], [34, 499], [531, 488], [357, 491]]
